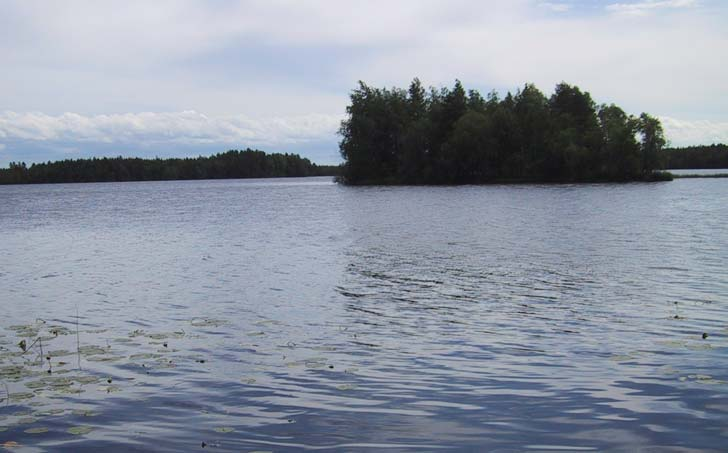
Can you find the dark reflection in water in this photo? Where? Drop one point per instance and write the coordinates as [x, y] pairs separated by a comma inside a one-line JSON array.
[[278, 315]]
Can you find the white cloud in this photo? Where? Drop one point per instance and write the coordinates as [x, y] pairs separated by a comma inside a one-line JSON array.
[[555, 7], [686, 133], [258, 68], [193, 128], [187, 127], [642, 8]]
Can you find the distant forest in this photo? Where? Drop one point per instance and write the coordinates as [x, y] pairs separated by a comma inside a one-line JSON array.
[[454, 136], [232, 164], [712, 156]]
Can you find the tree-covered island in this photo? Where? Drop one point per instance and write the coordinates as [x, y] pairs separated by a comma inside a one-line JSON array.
[[454, 136]]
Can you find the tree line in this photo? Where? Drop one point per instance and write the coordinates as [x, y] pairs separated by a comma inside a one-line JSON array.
[[709, 156], [454, 136], [231, 164]]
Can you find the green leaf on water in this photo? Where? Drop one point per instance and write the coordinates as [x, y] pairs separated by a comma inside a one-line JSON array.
[[108, 358], [14, 372], [142, 356], [48, 412], [80, 430], [87, 379], [27, 420], [21, 396], [92, 350], [36, 384], [38, 430]]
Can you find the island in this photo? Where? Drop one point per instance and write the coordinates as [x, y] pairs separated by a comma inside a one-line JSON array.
[[454, 136]]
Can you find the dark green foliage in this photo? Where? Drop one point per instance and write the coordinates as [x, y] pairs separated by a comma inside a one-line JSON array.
[[231, 164], [713, 156], [454, 136]]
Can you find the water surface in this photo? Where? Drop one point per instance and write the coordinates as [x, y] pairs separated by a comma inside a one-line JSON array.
[[700, 171], [289, 314]]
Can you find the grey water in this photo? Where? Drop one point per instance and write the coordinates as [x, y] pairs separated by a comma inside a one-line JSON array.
[[297, 314], [700, 171]]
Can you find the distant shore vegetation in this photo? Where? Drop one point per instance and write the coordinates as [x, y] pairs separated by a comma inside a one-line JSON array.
[[454, 136], [713, 156], [229, 165]]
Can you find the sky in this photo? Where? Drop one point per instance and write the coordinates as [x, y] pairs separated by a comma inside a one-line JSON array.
[[183, 78]]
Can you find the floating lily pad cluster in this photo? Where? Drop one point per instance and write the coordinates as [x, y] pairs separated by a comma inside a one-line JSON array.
[[51, 371], [40, 365]]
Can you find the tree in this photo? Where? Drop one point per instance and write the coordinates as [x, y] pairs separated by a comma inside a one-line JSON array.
[[453, 136], [653, 140], [620, 154]]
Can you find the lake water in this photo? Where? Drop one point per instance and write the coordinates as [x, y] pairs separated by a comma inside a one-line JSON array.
[[700, 171], [290, 314]]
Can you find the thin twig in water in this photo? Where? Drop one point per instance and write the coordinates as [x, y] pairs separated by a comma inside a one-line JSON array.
[[7, 393], [78, 341]]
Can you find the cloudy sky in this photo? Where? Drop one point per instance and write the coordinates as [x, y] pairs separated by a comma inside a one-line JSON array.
[[183, 78]]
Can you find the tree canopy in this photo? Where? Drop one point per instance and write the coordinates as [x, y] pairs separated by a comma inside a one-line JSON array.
[[712, 156], [457, 136], [231, 164]]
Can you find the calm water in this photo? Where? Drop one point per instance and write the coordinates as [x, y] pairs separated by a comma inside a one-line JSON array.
[[279, 315], [700, 171]]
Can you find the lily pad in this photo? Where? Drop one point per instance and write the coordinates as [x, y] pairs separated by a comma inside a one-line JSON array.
[[207, 322], [21, 396], [28, 330], [15, 372], [158, 336], [93, 350], [27, 420], [79, 430], [87, 379], [37, 430], [48, 412], [108, 358], [144, 356]]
